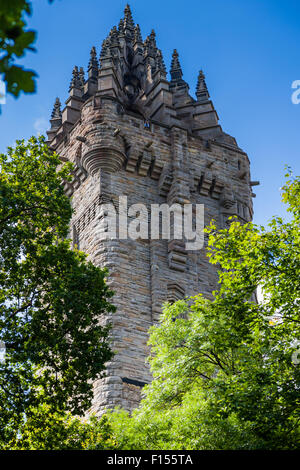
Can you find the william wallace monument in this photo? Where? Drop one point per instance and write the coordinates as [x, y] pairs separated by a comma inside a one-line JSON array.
[[132, 131]]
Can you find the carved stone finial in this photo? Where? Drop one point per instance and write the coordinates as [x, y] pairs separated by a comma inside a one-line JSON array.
[[128, 20], [176, 71], [81, 76], [152, 35], [150, 45], [137, 34], [114, 37], [93, 64], [75, 81], [160, 62], [56, 113], [121, 26], [201, 89], [56, 118], [104, 50]]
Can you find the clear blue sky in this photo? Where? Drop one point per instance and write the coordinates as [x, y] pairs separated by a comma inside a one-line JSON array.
[[249, 50]]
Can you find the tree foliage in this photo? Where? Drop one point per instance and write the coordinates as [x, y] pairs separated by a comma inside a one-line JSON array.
[[226, 374], [15, 41], [46, 429], [51, 298], [226, 370]]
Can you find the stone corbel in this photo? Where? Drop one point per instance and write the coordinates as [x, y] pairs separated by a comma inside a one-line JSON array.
[[165, 181]]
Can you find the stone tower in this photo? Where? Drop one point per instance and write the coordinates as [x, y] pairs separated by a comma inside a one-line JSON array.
[[131, 131]]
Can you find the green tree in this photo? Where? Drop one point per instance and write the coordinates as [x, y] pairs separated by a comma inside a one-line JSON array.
[[46, 429], [51, 298], [226, 373], [15, 41]]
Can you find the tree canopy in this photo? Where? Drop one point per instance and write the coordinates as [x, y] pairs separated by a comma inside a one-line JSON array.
[[51, 298], [225, 370], [15, 41], [225, 373]]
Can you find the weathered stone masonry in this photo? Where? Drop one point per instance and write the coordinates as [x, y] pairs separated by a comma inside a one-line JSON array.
[[130, 131]]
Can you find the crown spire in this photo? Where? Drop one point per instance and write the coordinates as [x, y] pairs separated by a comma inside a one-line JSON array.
[[75, 81], [137, 34], [201, 89], [114, 37], [121, 26], [104, 49], [176, 71], [150, 48], [152, 35], [56, 113], [160, 63], [128, 20], [81, 76], [56, 117], [152, 40], [93, 63]]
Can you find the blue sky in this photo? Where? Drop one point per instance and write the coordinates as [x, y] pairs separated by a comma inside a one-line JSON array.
[[248, 49]]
